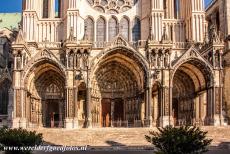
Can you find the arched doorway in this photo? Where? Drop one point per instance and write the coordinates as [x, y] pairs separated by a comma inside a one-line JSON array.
[[46, 96], [118, 89], [191, 95]]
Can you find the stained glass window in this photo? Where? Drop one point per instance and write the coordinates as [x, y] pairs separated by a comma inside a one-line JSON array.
[[136, 31], [101, 30], [113, 28], [89, 29], [124, 28], [45, 8]]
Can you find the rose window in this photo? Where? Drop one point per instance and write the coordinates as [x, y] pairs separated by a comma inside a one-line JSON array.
[[112, 6]]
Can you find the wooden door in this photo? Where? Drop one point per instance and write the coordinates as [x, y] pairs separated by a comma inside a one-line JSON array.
[[106, 113], [118, 110]]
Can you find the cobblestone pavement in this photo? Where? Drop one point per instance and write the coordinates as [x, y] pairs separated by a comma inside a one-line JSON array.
[[120, 137]]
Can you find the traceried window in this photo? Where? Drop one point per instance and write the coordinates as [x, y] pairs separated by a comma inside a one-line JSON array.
[[101, 30], [176, 9], [89, 29], [45, 9], [136, 31], [113, 28], [124, 28], [57, 8], [165, 9], [23, 4]]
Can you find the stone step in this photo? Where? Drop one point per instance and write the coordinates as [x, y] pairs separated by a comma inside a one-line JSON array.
[[117, 136]]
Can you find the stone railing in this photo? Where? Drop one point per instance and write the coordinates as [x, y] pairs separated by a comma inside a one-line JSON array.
[[49, 44], [48, 31], [180, 45], [138, 44], [175, 29], [130, 124]]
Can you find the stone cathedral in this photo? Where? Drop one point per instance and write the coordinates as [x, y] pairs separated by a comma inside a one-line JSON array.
[[114, 63]]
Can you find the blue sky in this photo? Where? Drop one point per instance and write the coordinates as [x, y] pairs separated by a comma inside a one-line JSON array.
[[15, 5]]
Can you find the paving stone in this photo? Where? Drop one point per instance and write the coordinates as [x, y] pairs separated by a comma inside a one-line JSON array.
[[118, 137]]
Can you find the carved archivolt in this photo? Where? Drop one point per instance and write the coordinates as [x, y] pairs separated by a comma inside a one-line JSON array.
[[44, 56]]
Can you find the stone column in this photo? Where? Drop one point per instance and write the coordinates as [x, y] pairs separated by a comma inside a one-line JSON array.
[[204, 106], [146, 103], [149, 105], [23, 121], [44, 112], [155, 110], [112, 112], [68, 120], [210, 104], [221, 106], [75, 119], [60, 114], [197, 109], [166, 107], [171, 119], [10, 109], [40, 113], [88, 104], [218, 107]]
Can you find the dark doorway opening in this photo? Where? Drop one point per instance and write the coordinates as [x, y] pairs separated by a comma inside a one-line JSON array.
[[106, 113], [118, 110], [175, 111], [52, 119]]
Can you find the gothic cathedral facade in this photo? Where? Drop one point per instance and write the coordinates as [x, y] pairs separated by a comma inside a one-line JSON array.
[[115, 63]]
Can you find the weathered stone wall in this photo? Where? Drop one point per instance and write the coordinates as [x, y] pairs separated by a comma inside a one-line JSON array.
[[227, 84], [3, 51]]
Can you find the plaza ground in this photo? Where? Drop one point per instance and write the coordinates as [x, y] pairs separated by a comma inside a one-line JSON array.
[[107, 137], [124, 140]]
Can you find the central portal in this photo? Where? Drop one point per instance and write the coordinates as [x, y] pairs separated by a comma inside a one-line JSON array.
[[112, 112], [117, 90]]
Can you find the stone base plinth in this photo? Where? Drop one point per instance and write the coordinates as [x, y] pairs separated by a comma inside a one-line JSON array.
[[69, 123], [89, 123], [75, 123], [218, 120], [23, 123], [166, 120], [15, 123]]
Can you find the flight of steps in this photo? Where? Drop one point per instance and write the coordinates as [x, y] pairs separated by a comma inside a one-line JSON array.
[[117, 137]]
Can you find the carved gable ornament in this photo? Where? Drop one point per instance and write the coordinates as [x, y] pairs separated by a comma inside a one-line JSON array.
[[119, 41], [213, 36], [19, 38], [192, 53], [45, 53]]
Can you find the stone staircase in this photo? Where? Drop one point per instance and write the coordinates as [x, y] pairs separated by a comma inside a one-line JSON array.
[[117, 136]]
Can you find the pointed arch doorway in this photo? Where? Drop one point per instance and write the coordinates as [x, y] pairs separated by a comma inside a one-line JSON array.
[[45, 103], [192, 98], [118, 89], [53, 106]]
